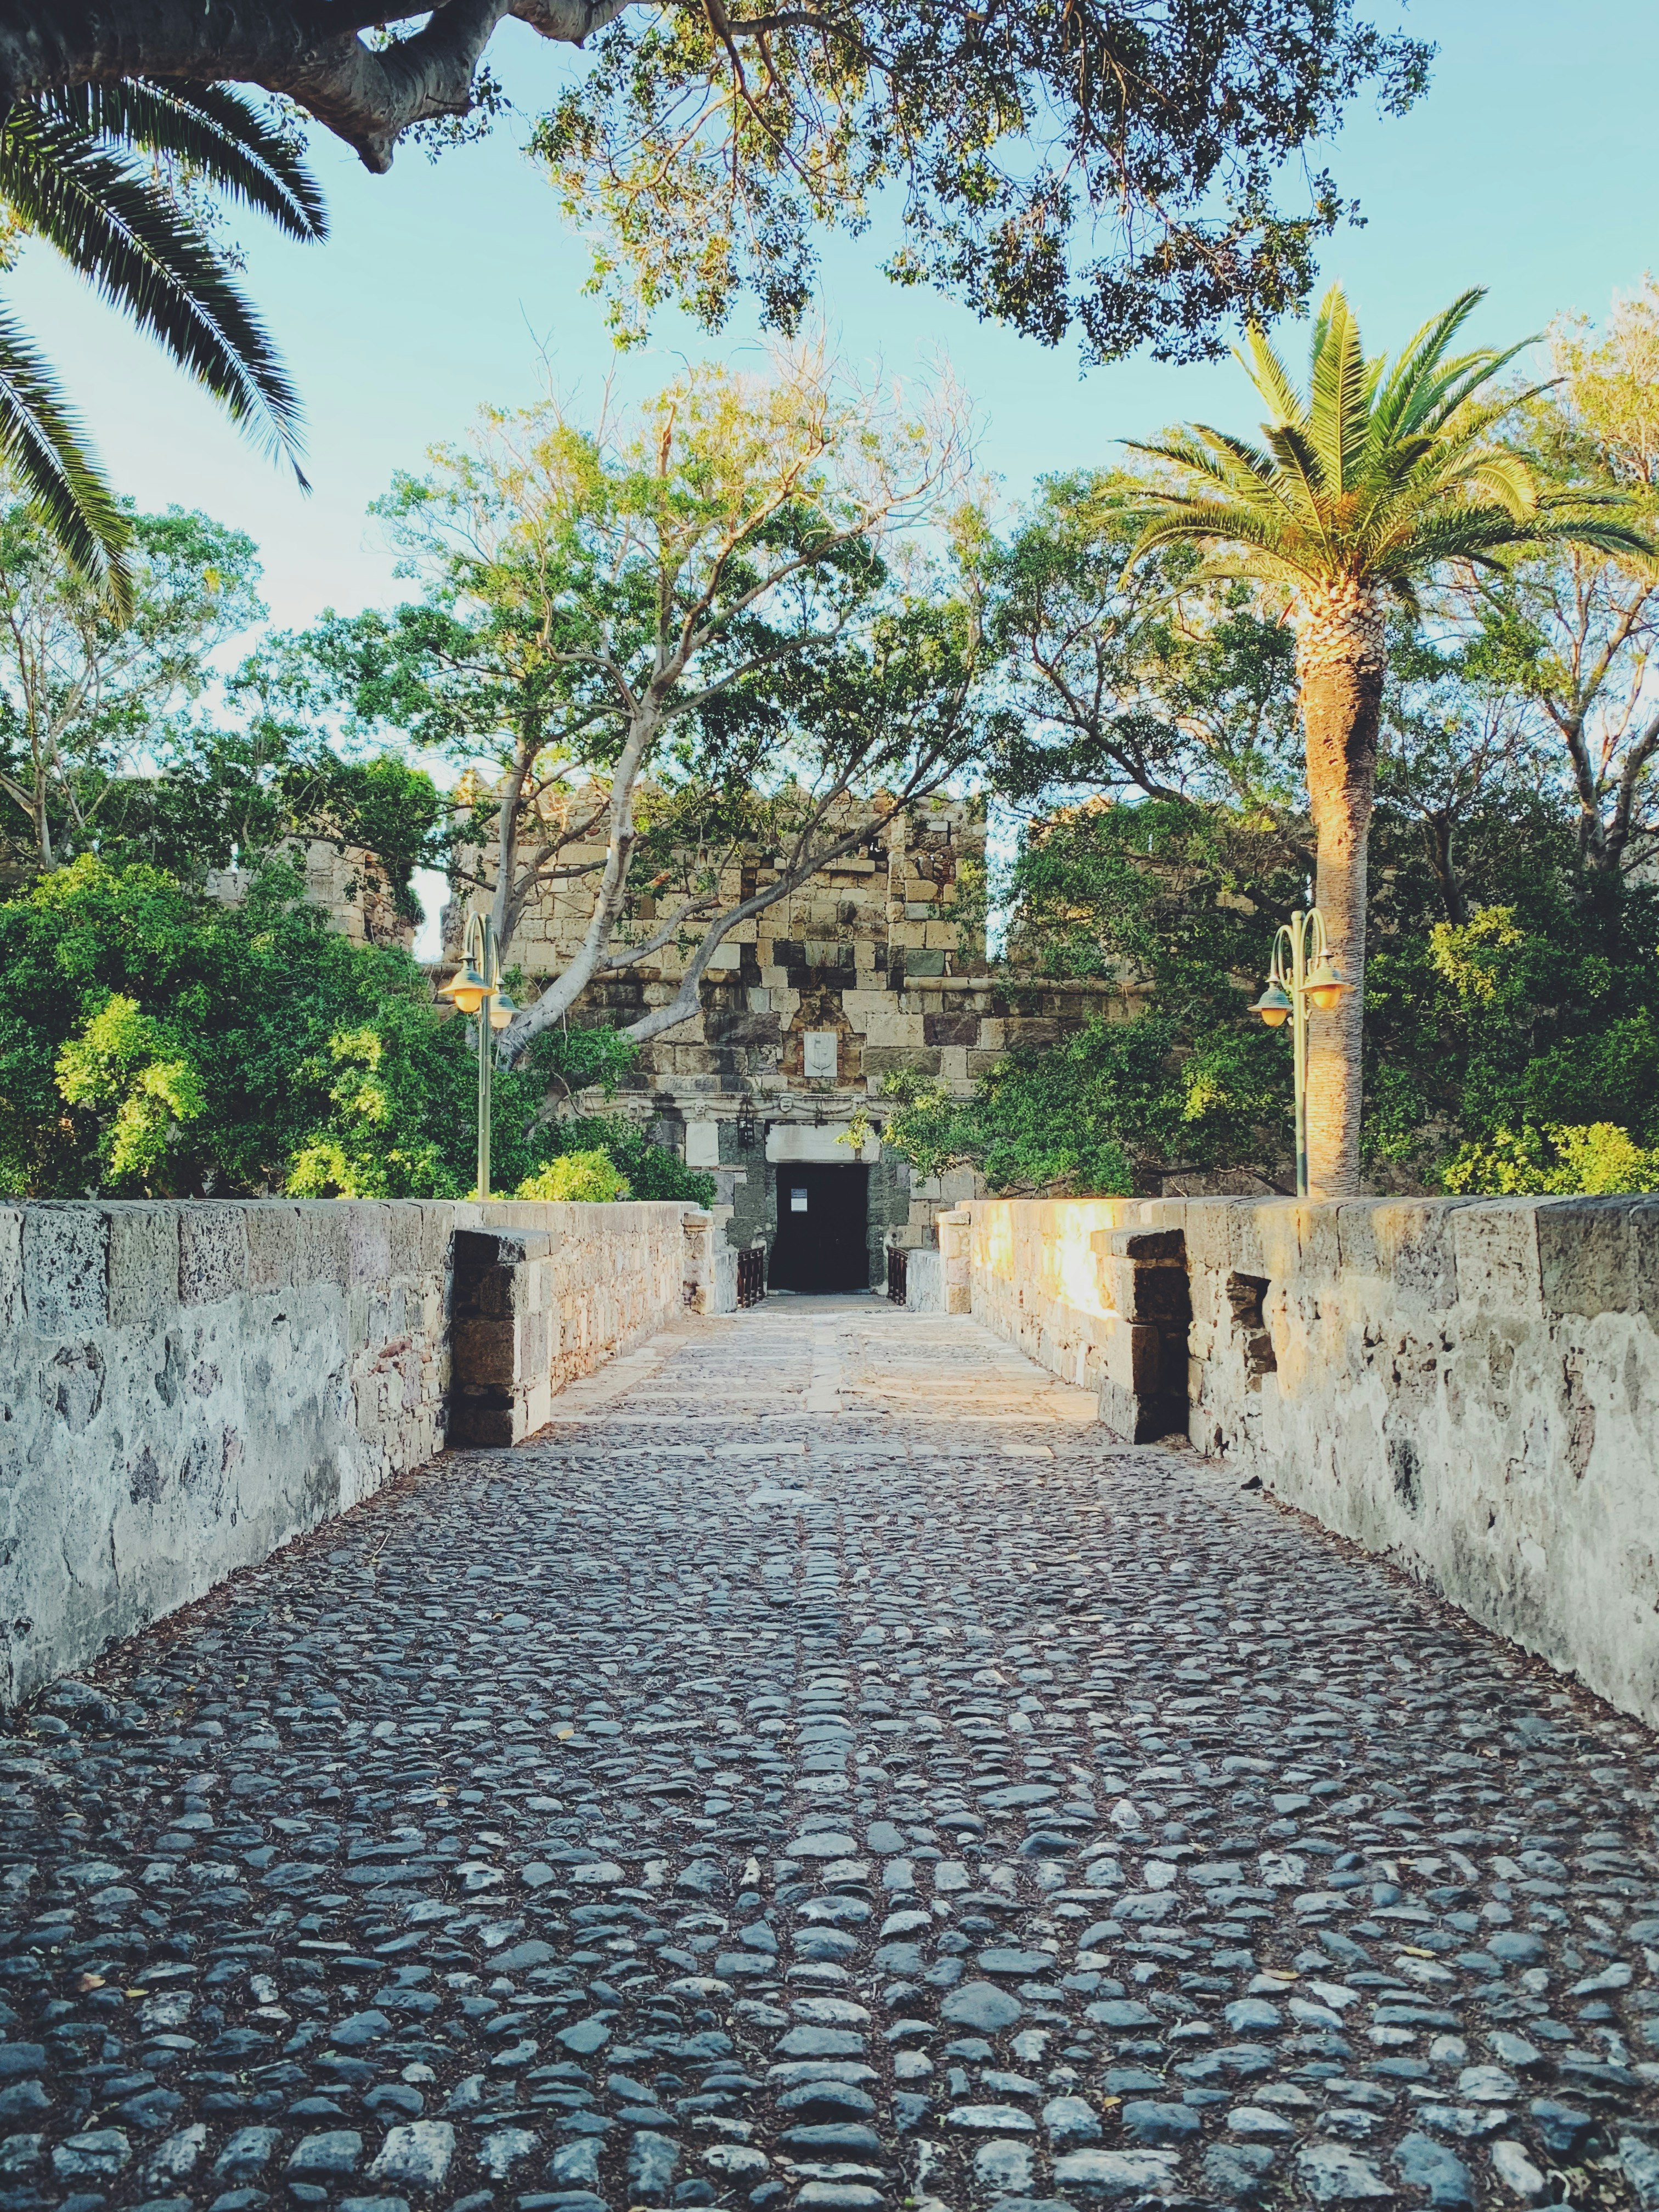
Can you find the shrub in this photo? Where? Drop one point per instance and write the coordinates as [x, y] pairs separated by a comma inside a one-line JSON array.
[[592, 1177]]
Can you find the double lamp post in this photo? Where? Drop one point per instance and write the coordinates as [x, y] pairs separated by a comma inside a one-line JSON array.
[[1302, 974], [475, 989]]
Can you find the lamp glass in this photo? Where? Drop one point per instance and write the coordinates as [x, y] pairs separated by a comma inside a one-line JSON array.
[[502, 1011], [1274, 1017], [466, 988], [1273, 1005], [1326, 985]]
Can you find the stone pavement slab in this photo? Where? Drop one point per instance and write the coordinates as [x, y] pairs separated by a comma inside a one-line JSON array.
[[821, 1770]]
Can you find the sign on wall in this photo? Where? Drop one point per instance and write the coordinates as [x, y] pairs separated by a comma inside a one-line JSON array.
[[822, 1053]]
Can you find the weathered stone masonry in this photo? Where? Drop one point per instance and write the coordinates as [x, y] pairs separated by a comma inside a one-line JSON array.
[[185, 1388], [1468, 1387]]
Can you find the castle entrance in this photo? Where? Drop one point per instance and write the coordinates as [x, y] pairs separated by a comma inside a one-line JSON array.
[[822, 1239]]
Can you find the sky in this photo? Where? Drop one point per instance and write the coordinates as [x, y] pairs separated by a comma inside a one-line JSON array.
[[452, 283]]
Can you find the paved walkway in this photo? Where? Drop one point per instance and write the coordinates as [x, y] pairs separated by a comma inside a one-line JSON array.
[[820, 1771]]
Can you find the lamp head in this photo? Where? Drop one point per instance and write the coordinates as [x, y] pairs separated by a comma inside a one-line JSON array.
[[466, 988], [1273, 1005], [1327, 984], [502, 1011]]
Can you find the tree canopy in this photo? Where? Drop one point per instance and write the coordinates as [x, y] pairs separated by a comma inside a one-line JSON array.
[[1136, 172], [655, 642]]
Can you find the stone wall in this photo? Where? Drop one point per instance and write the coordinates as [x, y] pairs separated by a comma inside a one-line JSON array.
[[546, 1291], [1469, 1388], [185, 1388]]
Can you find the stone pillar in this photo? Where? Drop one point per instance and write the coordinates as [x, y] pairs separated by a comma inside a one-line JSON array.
[[1143, 1280], [710, 1282], [956, 1232]]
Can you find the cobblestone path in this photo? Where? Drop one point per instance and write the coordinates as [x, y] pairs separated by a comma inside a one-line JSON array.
[[821, 1772]]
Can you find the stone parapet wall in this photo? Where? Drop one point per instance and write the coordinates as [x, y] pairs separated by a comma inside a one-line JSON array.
[[184, 1387], [1469, 1388], [547, 1292]]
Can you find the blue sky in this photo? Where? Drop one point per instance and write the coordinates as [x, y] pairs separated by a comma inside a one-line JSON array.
[[1524, 168]]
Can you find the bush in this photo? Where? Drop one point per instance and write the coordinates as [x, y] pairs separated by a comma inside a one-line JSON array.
[[1596, 1159], [157, 1042], [590, 1178]]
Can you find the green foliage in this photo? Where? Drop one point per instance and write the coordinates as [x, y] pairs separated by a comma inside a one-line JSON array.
[[1553, 1161], [1057, 164], [126, 1067], [592, 1176], [650, 1170], [154, 1041]]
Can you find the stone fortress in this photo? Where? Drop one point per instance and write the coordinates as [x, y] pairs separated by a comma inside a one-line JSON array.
[[878, 962]]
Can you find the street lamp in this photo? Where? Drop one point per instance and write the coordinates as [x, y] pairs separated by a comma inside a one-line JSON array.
[[475, 989], [1313, 978]]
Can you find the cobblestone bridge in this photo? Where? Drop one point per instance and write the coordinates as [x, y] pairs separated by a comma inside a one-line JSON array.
[[820, 1772]]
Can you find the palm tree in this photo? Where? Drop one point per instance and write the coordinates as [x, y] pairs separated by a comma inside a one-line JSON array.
[[1367, 485], [96, 170]]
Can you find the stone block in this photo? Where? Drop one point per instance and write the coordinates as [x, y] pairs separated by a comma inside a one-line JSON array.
[[1415, 1242], [1587, 1256], [1496, 1243], [1131, 1355], [1209, 1229], [405, 1235], [1315, 1256], [1356, 1240], [324, 1250], [65, 1265], [950, 1029], [212, 1253], [143, 1264], [273, 1246], [879, 1060]]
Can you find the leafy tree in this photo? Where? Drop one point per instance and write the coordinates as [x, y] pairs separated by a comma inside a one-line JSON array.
[[114, 171], [1175, 900], [154, 1041], [676, 636], [1366, 486], [86, 690], [1054, 164], [1135, 681], [1569, 631]]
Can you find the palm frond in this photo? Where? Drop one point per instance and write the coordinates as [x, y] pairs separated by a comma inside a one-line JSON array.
[[1399, 404], [1341, 384], [1219, 522], [1301, 472], [45, 447], [1236, 467], [1271, 379], [130, 242], [214, 129]]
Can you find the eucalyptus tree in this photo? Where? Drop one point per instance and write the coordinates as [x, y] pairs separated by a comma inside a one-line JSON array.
[[1573, 630], [699, 626], [1367, 485], [1135, 169]]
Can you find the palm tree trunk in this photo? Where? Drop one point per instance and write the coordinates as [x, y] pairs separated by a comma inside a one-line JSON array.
[[1340, 658]]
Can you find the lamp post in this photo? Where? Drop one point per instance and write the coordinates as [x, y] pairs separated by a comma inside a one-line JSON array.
[[475, 989], [1312, 978]]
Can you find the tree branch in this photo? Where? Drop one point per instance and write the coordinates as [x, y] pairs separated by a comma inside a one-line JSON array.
[[305, 49]]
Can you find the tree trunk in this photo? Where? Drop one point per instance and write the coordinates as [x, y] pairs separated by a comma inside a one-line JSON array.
[[1340, 659]]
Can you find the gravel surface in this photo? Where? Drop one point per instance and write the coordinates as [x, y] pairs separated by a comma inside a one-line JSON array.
[[820, 1771]]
